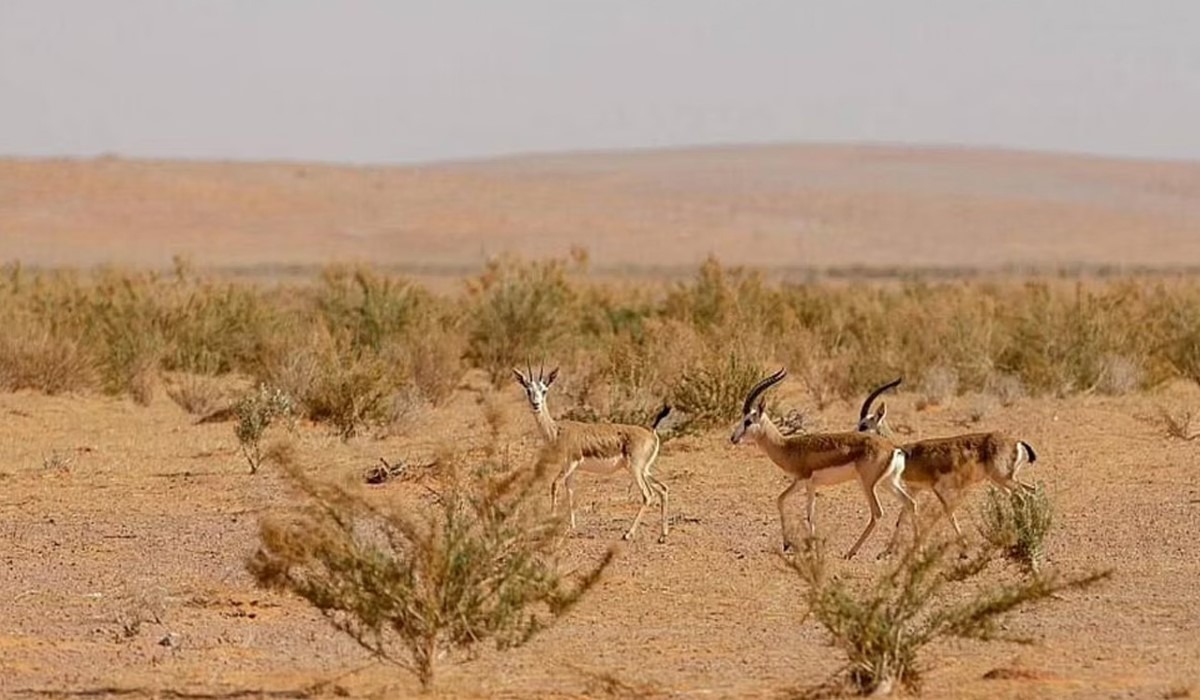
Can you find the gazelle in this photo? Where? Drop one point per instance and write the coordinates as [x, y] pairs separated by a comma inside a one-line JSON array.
[[951, 465], [823, 460], [599, 448]]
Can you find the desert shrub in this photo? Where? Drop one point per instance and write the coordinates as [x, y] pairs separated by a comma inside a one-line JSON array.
[[368, 309], [938, 386], [31, 357], [411, 584], [257, 411], [124, 325], [197, 394], [350, 394], [517, 310], [1181, 343], [883, 625], [216, 329], [1017, 524], [711, 392], [431, 358]]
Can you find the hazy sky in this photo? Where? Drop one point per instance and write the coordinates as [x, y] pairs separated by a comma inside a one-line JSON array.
[[396, 81]]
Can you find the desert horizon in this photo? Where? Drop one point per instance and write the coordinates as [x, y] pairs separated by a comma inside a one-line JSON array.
[[803, 208]]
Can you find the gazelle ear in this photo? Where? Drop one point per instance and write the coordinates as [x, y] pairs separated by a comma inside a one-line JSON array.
[[552, 377], [881, 412], [520, 377], [762, 406]]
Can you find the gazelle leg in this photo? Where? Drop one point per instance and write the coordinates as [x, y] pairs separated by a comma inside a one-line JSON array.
[[891, 546], [948, 506], [569, 483], [787, 541], [876, 512], [908, 508], [564, 478], [640, 477], [662, 490], [809, 507]]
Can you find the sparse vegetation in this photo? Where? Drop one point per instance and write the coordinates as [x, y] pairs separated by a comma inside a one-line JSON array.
[[257, 411], [882, 625], [1017, 524], [411, 583], [347, 344]]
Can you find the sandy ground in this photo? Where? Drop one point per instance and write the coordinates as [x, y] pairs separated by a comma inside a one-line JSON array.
[[140, 533], [776, 206], [152, 517]]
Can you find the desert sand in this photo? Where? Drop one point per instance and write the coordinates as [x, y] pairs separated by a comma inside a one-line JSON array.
[[125, 527]]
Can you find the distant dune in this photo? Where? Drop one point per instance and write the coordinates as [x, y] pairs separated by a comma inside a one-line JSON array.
[[774, 206]]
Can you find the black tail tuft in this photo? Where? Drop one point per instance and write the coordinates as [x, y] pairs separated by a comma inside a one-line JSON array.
[[661, 415], [1029, 449]]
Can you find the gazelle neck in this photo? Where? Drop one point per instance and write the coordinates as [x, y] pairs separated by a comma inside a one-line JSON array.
[[771, 441], [545, 422]]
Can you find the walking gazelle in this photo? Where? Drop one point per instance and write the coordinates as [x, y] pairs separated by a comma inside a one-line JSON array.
[[950, 466], [824, 459], [598, 448]]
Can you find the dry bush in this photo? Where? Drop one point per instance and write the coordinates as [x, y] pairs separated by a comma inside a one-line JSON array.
[[1007, 388], [411, 584], [197, 394], [350, 395], [1017, 523], [982, 406], [938, 387], [711, 392], [432, 360], [32, 358], [517, 310], [216, 329], [257, 411], [1120, 375], [883, 625], [369, 310]]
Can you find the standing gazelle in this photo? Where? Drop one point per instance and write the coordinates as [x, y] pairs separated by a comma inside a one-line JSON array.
[[950, 466], [822, 460], [599, 448]]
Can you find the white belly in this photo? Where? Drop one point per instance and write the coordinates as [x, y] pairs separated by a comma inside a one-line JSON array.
[[607, 465], [834, 475]]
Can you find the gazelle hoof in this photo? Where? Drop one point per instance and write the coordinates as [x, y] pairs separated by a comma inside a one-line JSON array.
[[662, 539]]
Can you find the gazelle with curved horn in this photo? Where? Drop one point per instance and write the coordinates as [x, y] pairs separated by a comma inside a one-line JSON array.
[[823, 460], [951, 465], [598, 448]]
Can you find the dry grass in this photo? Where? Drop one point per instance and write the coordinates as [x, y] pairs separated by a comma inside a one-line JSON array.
[[354, 343]]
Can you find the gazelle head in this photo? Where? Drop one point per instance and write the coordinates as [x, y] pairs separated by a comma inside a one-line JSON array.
[[752, 414], [876, 421], [536, 387]]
